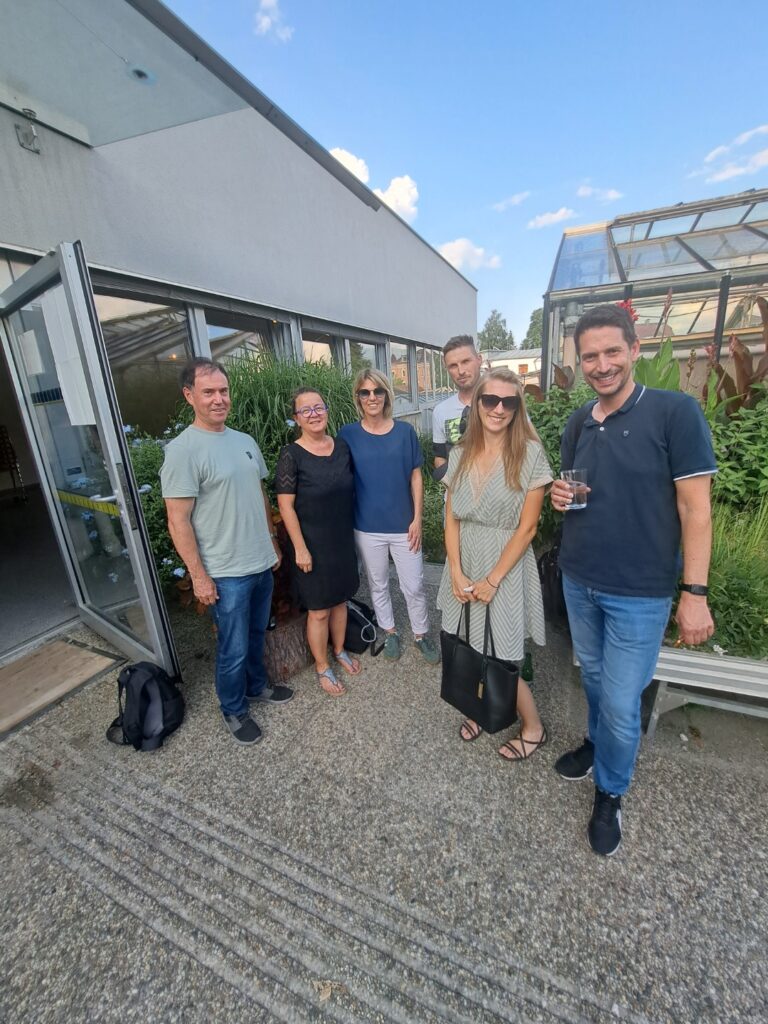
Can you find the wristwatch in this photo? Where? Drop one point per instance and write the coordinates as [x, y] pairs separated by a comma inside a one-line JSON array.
[[698, 589]]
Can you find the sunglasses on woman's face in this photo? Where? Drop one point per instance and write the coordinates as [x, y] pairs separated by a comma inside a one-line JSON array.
[[509, 402], [367, 392]]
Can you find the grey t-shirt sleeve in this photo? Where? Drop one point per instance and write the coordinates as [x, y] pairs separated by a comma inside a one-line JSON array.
[[179, 475], [263, 471]]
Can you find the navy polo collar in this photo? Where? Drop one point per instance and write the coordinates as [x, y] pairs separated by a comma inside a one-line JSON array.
[[637, 393]]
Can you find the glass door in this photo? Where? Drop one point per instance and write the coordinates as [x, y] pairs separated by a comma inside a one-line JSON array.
[[60, 370]]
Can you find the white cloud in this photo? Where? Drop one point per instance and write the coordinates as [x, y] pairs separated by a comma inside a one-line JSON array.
[[268, 20], [751, 166], [462, 253], [762, 129], [515, 200], [401, 195], [353, 163], [735, 167], [603, 195], [543, 220], [718, 151]]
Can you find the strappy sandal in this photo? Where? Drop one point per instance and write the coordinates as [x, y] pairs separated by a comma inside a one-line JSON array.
[[470, 727], [330, 684], [517, 755], [347, 662]]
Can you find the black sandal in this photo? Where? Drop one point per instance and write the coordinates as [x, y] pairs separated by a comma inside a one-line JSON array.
[[526, 753], [469, 726]]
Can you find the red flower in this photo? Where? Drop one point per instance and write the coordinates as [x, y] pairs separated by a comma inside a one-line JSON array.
[[627, 304]]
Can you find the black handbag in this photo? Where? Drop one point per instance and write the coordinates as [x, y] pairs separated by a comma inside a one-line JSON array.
[[477, 683]]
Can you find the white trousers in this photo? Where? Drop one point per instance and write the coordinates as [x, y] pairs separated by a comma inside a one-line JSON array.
[[374, 550]]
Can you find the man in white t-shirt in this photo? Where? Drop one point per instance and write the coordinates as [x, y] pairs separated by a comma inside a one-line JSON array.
[[220, 522], [464, 363]]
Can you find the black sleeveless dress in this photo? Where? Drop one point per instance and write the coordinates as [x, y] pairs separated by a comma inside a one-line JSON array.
[[324, 489]]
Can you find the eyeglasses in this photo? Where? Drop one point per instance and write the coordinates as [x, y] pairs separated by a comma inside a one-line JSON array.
[[309, 410], [367, 392], [509, 403]]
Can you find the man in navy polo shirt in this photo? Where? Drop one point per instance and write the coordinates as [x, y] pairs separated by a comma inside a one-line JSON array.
[[649, 461]]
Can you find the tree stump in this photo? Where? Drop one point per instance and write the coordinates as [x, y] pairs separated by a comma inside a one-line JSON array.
[[286, 651]]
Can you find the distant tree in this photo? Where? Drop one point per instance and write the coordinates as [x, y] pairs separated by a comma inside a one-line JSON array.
[[533, 337], [494, 334]]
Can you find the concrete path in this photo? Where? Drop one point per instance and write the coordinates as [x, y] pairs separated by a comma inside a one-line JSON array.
[[361, 864]]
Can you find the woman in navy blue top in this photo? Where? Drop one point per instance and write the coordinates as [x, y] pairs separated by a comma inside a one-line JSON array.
[[389, 495]]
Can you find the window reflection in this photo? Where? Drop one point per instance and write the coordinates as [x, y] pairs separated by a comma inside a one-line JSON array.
[[361, 356], [400, 376], [232, 336], [317, 347], [147, 344]]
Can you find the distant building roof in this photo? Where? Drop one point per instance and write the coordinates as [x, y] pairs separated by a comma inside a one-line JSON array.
[[514, 353]]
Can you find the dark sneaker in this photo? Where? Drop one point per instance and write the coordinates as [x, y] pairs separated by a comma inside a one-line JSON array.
[[427, 650], [577, 764], [604, 829], [392, 646], [243, 728], [272, 695]]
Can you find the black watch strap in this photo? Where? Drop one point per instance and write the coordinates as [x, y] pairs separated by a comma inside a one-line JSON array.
[[695, 588]]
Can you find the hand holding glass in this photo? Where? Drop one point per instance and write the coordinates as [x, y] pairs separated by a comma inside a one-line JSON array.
[[577, 481]]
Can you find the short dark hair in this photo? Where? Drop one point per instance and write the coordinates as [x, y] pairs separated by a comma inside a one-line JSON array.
[[458, 341], [606, 315], [204, 365], [305, 390]]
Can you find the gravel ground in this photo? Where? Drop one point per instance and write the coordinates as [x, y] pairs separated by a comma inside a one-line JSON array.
[[362, 864]]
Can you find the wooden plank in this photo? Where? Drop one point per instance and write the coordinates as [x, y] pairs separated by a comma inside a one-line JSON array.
[[30, 683]]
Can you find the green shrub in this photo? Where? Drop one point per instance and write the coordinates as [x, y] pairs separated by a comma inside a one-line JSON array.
[[146, 458], [741, 450], [738, 580]]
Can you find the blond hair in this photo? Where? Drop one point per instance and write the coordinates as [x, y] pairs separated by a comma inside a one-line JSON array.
[[378, 379], [518, 433]]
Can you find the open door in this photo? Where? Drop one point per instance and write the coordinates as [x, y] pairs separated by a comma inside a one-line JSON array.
[[61, 374]]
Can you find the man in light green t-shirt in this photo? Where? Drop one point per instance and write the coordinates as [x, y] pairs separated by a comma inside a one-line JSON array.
[[220, 522]]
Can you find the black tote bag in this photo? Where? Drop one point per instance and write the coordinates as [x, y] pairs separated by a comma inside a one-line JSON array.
[[480, 685]]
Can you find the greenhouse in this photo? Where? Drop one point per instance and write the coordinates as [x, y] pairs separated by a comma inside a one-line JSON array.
[[692, 271]]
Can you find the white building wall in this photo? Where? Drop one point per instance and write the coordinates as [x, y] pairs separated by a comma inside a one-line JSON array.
[[232, 206]]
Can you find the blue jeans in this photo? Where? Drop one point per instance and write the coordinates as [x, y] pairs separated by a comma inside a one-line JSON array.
[[241, 615], [617, 641]]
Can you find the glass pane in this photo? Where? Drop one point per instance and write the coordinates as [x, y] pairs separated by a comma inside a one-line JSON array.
[[400, 376], [671, 226], [656, 259], [147, 344], [58, 400], [720, 218], [759, 213], [630, 232], [237, 337], [427, 373], [316, 351], [362, 356], [585, 260], [735, 248]]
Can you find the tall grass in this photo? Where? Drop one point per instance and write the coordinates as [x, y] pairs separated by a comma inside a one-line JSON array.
[[738, 579]]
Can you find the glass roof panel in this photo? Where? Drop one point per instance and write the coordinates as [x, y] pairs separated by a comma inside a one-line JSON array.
[[102, 71], [656, 259], [721, 218], [630, 232], [672, 226], [732, 244], [585, 260], [760, 212]]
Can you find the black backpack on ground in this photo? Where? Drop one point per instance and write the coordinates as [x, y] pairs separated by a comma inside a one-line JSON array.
[[361, 629], [150, 707]]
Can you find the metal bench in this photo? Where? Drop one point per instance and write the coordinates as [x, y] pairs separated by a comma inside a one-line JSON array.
[[679, 672]]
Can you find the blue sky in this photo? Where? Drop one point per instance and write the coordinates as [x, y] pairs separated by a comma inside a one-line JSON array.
[[492, 126]]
